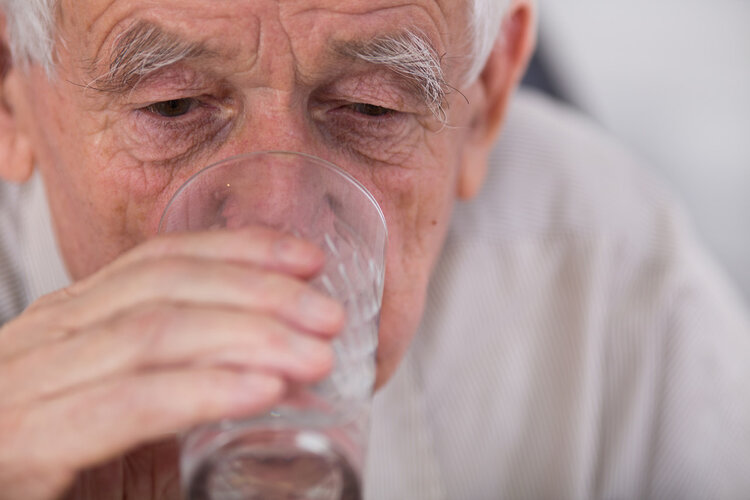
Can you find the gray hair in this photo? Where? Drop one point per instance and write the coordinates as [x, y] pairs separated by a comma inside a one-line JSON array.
[[31, 27], [486, 17]]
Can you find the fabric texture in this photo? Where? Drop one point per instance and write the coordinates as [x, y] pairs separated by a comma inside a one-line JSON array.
[[577, 342]]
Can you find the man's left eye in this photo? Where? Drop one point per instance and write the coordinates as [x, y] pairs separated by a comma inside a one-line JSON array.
[[173, 108], [371, 110]]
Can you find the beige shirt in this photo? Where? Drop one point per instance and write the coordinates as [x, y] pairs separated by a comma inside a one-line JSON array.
[[577, 343]]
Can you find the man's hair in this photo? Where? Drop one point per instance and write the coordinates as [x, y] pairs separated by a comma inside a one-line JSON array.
[[31, 30]]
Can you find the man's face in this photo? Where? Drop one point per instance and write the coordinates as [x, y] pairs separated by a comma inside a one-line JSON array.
[[260, 75]]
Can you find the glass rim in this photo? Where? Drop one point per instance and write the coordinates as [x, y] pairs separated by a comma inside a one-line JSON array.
[[242, 156]]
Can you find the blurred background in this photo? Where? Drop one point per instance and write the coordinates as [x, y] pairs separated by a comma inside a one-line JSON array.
[[670, 79]]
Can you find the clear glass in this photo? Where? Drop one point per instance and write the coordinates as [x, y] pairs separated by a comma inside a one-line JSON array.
[[312, 446]]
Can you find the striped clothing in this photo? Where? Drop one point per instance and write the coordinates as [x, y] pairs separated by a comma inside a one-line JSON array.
[[577, 341]]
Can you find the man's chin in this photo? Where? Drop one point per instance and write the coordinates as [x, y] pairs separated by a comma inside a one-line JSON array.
[[398, 326], [386, 367]]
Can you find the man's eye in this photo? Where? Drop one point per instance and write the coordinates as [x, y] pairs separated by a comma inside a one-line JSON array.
[[371, 109], [172, 109]]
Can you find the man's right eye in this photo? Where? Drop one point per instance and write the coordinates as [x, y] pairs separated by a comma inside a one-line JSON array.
[[371, 110], [173, 108]]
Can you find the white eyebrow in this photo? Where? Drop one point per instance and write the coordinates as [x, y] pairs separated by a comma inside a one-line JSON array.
[[145, 48], [410, 56], [141, 50]]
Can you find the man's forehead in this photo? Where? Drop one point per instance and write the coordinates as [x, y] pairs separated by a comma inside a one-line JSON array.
[[125, 41], [90, 16], [232, 27]]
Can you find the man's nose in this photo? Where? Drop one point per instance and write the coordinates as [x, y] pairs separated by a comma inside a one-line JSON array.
[[277, 121], [276, 188]]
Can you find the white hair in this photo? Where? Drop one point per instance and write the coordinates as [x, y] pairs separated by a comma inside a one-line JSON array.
[[484, 26], [31, 28]]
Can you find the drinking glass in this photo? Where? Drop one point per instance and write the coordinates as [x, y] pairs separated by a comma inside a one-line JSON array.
[[312, 446]]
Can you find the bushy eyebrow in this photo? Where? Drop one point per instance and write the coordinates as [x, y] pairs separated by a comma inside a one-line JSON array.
[[144, 48], [410, 56], [141, 50]]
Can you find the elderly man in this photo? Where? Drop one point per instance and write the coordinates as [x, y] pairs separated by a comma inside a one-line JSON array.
[[576, 342]]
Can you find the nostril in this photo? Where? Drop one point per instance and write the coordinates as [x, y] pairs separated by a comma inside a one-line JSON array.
[[333, 203], [231, 212]]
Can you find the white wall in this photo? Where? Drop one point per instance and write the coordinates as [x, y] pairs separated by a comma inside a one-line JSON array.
[[671, 78]]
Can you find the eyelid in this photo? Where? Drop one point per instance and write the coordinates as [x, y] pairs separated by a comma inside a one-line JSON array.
[[145, 95], [351, 113], [345, 106], [352, 124], [393, 104], [198, 104], [379, 87], [202, 117], [193, 102], [366, 94]]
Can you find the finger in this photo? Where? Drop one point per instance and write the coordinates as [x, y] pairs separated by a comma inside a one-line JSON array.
[[180, 279], [160, 336], [30, 329], [257, 245], [61, 436], [199, 281]]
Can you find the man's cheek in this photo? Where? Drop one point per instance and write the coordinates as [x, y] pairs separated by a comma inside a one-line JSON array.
[[125, 192], [416, 202]]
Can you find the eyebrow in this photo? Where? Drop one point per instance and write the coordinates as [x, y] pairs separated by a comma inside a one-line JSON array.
[[409, 55], [145, 48], [141, 50]]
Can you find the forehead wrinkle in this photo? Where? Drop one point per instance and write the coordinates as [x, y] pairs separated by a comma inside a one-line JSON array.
[[436, 15], [140, 50], [103, 10]]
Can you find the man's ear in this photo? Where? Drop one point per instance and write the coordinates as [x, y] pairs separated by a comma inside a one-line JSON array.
[[16, 154], [490, 94]]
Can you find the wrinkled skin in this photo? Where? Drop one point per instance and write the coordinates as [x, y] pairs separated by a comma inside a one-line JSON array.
[[273, 82]]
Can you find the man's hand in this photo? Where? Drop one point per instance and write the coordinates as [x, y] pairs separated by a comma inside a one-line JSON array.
[[185, 329]]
